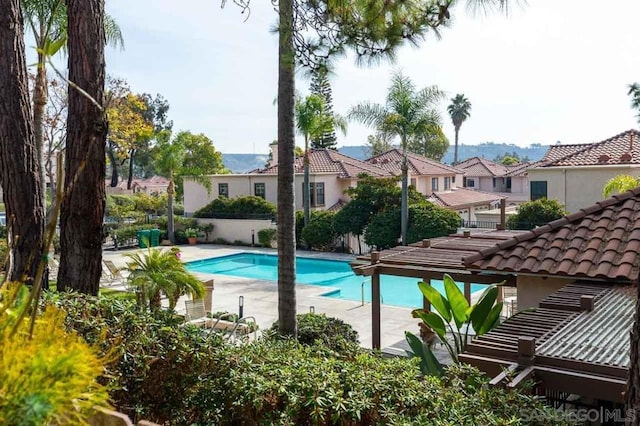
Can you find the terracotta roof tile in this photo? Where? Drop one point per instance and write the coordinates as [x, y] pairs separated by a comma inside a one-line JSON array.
[[599, 242], [461, 197], [477, 166], [623, 148], [331, 161], [418, 164]]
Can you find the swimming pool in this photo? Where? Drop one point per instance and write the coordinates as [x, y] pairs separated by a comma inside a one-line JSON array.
[[398, 291]]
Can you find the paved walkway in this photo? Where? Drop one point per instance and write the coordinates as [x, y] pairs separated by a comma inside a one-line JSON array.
[[261, 297]]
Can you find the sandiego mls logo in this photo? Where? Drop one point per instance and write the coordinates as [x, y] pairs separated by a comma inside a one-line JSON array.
[[581, 415]]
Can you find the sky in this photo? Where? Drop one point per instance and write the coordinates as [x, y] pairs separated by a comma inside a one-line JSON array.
[[549, 71]]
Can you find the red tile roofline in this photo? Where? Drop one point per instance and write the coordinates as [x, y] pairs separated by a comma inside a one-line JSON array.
[[552, 226], [587, 146]]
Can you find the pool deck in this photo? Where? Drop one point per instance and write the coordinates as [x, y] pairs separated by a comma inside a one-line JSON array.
[[261, 297]]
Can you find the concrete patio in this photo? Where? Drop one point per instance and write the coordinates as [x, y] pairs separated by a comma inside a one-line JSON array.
[[261, 297]]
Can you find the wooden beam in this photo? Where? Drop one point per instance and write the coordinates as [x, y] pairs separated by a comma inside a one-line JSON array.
[[587, 385], [426, 305], [375, 310], [467, 291], [523, 375], [505, 373]]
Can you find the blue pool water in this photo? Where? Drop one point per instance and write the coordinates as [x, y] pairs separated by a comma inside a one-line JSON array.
[[398, 291]]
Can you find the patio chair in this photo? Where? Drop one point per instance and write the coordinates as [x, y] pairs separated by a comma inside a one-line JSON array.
[[111, 275], [197, 315]]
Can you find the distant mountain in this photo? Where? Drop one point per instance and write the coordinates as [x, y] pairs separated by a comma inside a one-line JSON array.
[[489, 150], [242, 163]]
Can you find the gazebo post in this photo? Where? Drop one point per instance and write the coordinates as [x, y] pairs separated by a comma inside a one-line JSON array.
[[375, 302], [467, 291], [425, 303]]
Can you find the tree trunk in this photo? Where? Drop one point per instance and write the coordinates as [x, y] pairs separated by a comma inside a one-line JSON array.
[[404, 204], [114, 167], [632, 394], [455, 149], [82, 210], [132, 152], [39, 105], [170, 226], [307, 188], [23, 192], [286, 199]]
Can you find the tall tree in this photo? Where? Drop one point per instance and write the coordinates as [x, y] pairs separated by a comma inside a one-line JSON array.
[[409, 114], [459, 110], [433, 144], [23, 193], [379, 143], [82, 210], [321, 86], [634, 92], [312, 121], [310, 34], [47, 20], [169, 157]]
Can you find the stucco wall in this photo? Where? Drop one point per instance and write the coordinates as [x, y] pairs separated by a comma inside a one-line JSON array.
[[195, 195], [236, 229], [531, 289], [578, 187]]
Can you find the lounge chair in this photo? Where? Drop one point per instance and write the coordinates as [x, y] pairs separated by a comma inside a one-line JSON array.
[[196, 314], [111, 275]]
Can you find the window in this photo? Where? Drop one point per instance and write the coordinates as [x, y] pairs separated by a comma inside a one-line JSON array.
[[223, 190], [414, 183], [470, 183], [434, 184], [494, 182], [453, 179], [317, 194], [447, 183], [508, 183], [259, 190], [538, 189]]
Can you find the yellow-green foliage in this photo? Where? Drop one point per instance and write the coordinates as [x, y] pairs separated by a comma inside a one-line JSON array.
[[50, 377]]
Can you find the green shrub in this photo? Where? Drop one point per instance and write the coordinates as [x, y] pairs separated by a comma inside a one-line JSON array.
[[383, 230], [536, 213], [319, 232], [332, 333], [127, 233], [426, 220], [266, 236], [248, 207]]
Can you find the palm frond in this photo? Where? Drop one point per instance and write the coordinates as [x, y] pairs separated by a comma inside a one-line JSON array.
[[368, 114], [112, 32]]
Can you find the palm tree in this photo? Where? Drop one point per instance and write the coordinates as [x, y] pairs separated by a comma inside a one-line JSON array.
[[161, 272], [459, 110], [409, 114], [620, 183], [169, 157], [312, 121]]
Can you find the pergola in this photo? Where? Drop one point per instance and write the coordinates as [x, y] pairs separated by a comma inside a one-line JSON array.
[[576, 342], [427, 260]]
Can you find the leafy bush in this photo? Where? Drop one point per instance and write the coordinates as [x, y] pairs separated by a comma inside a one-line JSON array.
[[536, 213], [248, 207], [426, 220], [266, 236], [49, 377], [127, 233], [154, 364], [332, 333], [319, 232], [183, 375], [384, 229]]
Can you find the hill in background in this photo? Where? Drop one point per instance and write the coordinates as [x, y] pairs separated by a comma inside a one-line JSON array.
[[242, 163]]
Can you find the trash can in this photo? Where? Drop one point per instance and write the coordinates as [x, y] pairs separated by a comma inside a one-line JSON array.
[[144, 237], [155, 237]]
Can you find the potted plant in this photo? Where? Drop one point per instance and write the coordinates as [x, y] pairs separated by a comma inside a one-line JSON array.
[[192, 235]]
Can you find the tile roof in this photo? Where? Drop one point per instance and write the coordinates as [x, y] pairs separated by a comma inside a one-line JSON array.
[[476, 166], [418, 164], [521, 169], [460, 197], [331, 161], [623, 148], [337, 206], [598, 242]]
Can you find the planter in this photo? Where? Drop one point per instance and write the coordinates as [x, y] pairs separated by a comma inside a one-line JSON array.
[[192, 240]]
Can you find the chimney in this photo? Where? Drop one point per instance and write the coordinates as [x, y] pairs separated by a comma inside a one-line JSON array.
[[631, 142], [274, 153]]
